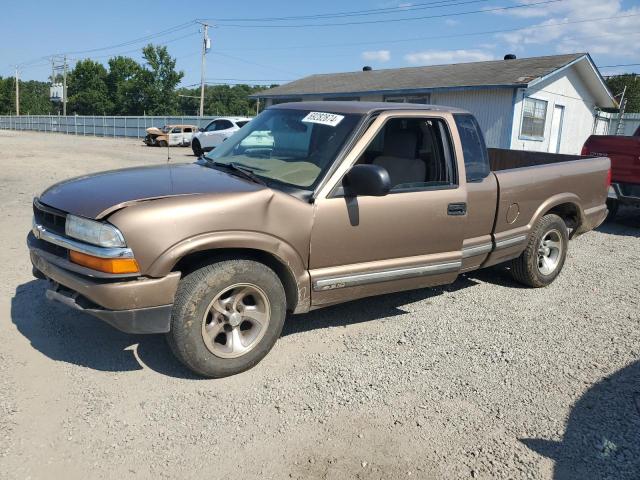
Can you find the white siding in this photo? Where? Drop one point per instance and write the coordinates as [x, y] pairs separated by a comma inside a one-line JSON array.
[[566, 89], [492, 107]]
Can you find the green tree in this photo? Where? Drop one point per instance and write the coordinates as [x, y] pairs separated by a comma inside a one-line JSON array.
[[632, 81], [158, 80], [34, 97], [87, 89], [123, 86]]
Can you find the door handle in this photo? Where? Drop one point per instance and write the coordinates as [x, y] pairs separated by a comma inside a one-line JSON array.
[[457, 209]]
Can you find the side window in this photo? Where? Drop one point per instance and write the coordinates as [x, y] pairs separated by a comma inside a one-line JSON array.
[[223, 124], [176, 130], [416, 152], [211, 127], [187, 129], [476, 158]]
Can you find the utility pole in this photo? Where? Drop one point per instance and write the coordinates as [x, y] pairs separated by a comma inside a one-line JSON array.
[[64, 87], [17, 91], [206, 45]]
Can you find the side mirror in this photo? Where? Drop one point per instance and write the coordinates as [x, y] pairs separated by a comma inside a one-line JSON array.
[[201, 129], [366, 180]]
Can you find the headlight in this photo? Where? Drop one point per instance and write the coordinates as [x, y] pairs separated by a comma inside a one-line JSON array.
[[96, 233]]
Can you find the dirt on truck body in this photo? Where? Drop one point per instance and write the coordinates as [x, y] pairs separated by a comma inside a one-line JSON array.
[[351, 199]]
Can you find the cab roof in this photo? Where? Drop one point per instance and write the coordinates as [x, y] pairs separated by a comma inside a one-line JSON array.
[[362, 108]]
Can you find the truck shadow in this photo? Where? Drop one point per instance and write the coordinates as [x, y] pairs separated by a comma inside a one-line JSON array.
[[74, 337], [65, 335], [602, 437], [626, 223]]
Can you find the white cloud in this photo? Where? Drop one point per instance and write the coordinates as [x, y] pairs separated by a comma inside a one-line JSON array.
[[434, 57], [618, 36], [405, 5], [377, 55], [450, 22]]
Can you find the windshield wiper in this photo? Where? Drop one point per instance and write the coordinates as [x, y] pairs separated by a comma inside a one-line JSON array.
[[247, 172]]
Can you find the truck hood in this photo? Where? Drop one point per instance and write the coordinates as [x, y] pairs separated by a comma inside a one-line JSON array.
[[154, 131], [99, 194]]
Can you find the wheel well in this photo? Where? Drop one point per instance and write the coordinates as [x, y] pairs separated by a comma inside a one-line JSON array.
[[570, 213], [195, 260]]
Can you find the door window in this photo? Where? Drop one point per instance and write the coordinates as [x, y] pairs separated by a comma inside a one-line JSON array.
[[187, 129], [176, 130], [416, 152], [223, 125]]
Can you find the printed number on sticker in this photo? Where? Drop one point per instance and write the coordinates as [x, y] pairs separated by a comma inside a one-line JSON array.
[[323, 118]]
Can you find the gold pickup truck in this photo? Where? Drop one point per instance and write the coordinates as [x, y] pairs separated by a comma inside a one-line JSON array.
[[349, 200]]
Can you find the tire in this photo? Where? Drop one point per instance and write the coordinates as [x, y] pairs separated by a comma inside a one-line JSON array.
[[613, 206], [226, 317], [197, 149], [543, 259], [162, 143]]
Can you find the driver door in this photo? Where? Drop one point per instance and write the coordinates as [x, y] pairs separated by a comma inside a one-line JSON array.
[[410, 238]]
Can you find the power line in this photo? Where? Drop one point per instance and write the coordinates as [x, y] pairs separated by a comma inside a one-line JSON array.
[[249, 62], [354, 13], [434, 37], [176, 28], [424, 17], [621, 65]]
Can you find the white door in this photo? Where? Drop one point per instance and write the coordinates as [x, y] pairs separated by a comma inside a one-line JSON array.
[[555, 136], [175, 136]]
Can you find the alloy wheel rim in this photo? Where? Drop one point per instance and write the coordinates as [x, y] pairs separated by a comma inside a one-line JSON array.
[[236, 320], [549, 252]]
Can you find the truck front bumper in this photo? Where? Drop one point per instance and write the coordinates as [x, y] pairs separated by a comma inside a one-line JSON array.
[[132, 305]]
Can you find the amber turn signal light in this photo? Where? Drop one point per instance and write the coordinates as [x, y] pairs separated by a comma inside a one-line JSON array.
[[107, 265]]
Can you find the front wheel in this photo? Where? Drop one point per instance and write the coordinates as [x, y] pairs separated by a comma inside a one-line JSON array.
[[197, 149], [226, 317], [543, 259]]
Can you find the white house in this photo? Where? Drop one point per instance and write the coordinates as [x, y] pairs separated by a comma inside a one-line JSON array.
[[538, 103]]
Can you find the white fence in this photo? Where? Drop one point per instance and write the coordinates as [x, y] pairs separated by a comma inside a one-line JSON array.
[[100, 126], [607, 123]]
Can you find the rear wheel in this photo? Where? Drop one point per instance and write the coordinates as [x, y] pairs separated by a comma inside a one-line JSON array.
[[226, 317], [197, 149], [543, 259]]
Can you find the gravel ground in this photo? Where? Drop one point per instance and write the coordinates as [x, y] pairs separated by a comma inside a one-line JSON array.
[[480, 379]]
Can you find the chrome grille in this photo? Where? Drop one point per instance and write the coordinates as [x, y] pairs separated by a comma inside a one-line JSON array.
[[50, 218]]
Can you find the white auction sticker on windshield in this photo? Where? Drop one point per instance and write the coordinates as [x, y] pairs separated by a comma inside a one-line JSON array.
[[323, 118]]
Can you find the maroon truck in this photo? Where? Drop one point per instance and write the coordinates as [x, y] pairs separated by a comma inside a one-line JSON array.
[[624, 153]]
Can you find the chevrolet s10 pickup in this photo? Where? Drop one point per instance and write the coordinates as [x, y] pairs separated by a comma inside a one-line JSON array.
[[349, 200]]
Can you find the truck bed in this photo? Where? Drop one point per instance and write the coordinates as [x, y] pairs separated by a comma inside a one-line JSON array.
[[504, 159], [530, 183]]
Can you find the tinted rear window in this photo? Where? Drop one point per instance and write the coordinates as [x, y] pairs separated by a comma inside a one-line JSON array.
[[476, 158]]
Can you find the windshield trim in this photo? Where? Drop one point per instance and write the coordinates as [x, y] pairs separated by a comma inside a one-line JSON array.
[[361, 127]]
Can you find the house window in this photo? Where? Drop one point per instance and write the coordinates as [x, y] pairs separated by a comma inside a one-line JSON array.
[[533, 118], [422, 98]]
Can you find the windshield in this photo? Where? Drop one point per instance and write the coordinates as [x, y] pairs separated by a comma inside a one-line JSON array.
[[165, 129], [290, 146]]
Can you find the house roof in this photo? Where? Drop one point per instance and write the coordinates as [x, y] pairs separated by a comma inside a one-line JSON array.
[[520, 72]]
